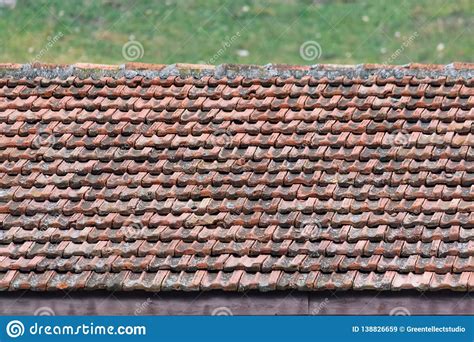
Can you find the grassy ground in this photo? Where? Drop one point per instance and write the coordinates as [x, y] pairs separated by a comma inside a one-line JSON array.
[[256, 32]]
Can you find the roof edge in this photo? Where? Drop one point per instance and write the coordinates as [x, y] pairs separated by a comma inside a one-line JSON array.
[[130, 70]]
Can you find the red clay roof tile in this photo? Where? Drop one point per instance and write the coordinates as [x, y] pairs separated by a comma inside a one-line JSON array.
[[195, 177]]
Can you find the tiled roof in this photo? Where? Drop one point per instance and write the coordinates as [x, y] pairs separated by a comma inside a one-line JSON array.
[[189, 177]]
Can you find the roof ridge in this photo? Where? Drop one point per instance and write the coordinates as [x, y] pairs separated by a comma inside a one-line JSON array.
[[456, 69]]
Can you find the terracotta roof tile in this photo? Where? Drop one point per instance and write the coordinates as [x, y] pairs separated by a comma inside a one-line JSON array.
[[230, 177]]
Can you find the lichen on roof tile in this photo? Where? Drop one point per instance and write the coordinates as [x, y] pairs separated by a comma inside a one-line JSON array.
[[236, 177]]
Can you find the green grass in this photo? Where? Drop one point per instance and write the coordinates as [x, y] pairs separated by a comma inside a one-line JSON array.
[[271, 31]]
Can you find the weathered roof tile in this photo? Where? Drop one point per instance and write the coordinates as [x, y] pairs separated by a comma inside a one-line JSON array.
[[192, 178]]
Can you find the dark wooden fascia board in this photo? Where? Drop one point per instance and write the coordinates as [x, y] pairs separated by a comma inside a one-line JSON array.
[[250, 303]]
